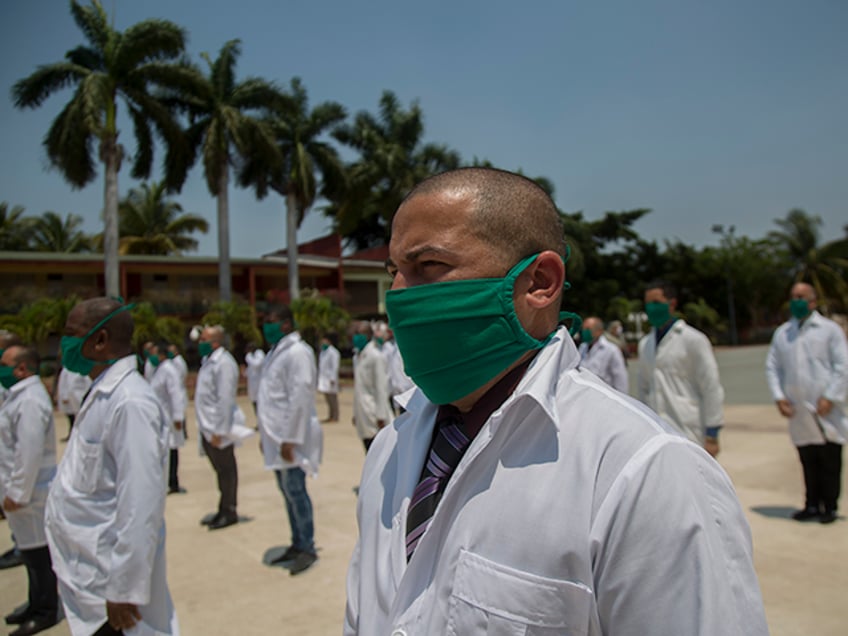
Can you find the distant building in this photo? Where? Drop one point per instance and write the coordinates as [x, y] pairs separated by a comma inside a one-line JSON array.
[[186, 286]]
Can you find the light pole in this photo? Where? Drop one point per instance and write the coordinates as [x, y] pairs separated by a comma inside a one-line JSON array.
[[727, 243]]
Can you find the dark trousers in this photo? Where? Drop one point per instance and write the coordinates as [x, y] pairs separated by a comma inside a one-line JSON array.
[[333, 406], [173, 466], [367, 443], [223, 460], [822, 464], [43, 590]]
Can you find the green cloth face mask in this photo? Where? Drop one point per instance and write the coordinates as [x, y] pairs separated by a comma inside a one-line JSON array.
[[359, 341], [586, 336], [658, 314], [71, 346], [204, 349], [273, 332], [154, 359], [799, 308], [7, 376], [456, 336]]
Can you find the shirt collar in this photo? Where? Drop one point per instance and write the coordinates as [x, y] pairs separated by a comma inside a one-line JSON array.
[[21, 385]]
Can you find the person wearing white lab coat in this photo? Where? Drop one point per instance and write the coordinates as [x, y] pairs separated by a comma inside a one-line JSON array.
[[328, 377], [371, 407], [70, 389], [253, 360], [216, 409], [182, 369], [291, 436], [807, 373], [105, 517], [149, 367], [170, 391], [677, 373], [399, 382], [27, 466], [573, 509], [602, 357]]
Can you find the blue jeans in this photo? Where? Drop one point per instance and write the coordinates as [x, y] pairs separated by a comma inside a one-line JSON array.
[[292, 482]]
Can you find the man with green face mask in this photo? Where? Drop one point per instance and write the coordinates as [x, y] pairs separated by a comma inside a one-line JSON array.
[[600, 356], [518, 493], [677, 374], [807, 372], [105, 517]]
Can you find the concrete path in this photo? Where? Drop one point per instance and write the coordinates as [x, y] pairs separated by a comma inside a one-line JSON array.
[[221, 586]]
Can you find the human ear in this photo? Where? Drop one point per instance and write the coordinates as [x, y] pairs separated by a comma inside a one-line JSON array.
[[545, 278]]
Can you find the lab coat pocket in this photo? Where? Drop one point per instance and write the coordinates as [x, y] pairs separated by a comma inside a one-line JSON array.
[[496, 600], [90, 463]]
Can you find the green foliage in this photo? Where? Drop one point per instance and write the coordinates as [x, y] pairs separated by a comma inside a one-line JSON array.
[[35, 322], [15, 229], [318, 315], [51, 233], [238, 320], [703, 317], [151, 327]]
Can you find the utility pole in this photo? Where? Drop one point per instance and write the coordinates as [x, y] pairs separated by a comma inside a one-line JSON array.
[[727, 243]]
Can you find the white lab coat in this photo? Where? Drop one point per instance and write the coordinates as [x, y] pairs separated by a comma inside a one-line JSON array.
[[149, 369], [170, 392], [805, 362], [680, 380], [27, 458], [254, 361], [105, 517], [328, 370], [575, 510], [370, 391], [182, 367], [286, 406], [399, 382], [70, 391], [606, 361], [215, 396]]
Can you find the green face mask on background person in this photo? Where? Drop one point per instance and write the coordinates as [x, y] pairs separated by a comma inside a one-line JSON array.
[[71, 346], [154, 359], [455, 336], [799, 308], [658, 313], [204, 349], [324, 346], [273, 332], [171, 355], [586, 336], [359, 341], [7, 376]]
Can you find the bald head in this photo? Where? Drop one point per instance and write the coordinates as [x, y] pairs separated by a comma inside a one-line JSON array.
[[803, 291], [595, 325], [510, 213], [25, 360], [119, 326], [214, 335]]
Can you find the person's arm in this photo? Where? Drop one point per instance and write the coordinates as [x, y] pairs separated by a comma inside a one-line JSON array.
[[176, 396], [135, 444], [643, 379], [672, 550], [32, 423], [618, 370], [774, 376], [300, 387], [837, 386], [226, 386], [705, 371], [351, 620], [381, 390]]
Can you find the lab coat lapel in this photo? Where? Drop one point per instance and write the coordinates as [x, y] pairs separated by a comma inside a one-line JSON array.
[[111, 378]]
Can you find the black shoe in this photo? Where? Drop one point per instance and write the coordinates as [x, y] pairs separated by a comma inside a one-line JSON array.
[[828, 517], [11, 559], [303, 561], [806, 514], [18, 615], [177, 491], [286, 557], [223, 521], [209, 519], [35, 625]]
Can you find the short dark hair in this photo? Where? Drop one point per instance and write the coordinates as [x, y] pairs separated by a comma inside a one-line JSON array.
[[29, 356], [281, 311], [668, 289], [119, 327], [512, 213]]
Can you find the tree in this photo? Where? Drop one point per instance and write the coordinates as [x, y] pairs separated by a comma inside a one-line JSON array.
[[51, 233], [392, 161], [151, 223], [151, 327], [36, 321], [114, 66], [304, 157], [317, 315], [14, 228], [825, 267], [224, 124], [238, 320]]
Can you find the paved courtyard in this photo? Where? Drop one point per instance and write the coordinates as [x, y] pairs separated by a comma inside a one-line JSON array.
[[221, 586]]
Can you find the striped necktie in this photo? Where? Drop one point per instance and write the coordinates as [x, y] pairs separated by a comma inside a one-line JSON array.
[[448, 447]]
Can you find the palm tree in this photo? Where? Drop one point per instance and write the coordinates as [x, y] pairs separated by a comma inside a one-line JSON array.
[[150, 223], [823, 266], [14, 229], [303, 155], [52, 233], [392, 160], [113, 66], [224, 124]]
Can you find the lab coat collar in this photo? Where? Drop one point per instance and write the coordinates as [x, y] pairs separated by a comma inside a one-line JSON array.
[[286, 342], [215, 355], [815, 319], [21, 385]]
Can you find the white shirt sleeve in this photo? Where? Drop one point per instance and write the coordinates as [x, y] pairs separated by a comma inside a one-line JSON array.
[[32, 424]]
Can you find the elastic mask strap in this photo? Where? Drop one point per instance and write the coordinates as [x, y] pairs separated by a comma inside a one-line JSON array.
[[107, 319]]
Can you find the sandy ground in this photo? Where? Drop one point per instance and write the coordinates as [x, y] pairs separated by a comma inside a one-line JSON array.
[[221, 586]]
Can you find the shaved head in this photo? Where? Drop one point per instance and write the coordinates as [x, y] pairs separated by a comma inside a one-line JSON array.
[[119, 327], [803, 290], [511, 213], [28, 356]]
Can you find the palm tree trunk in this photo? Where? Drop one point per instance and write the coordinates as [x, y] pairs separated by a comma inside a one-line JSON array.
[[291, 246], [109, 154], [225, 279]]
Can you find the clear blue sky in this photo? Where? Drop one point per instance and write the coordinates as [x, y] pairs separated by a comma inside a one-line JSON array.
[[708, 112]]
